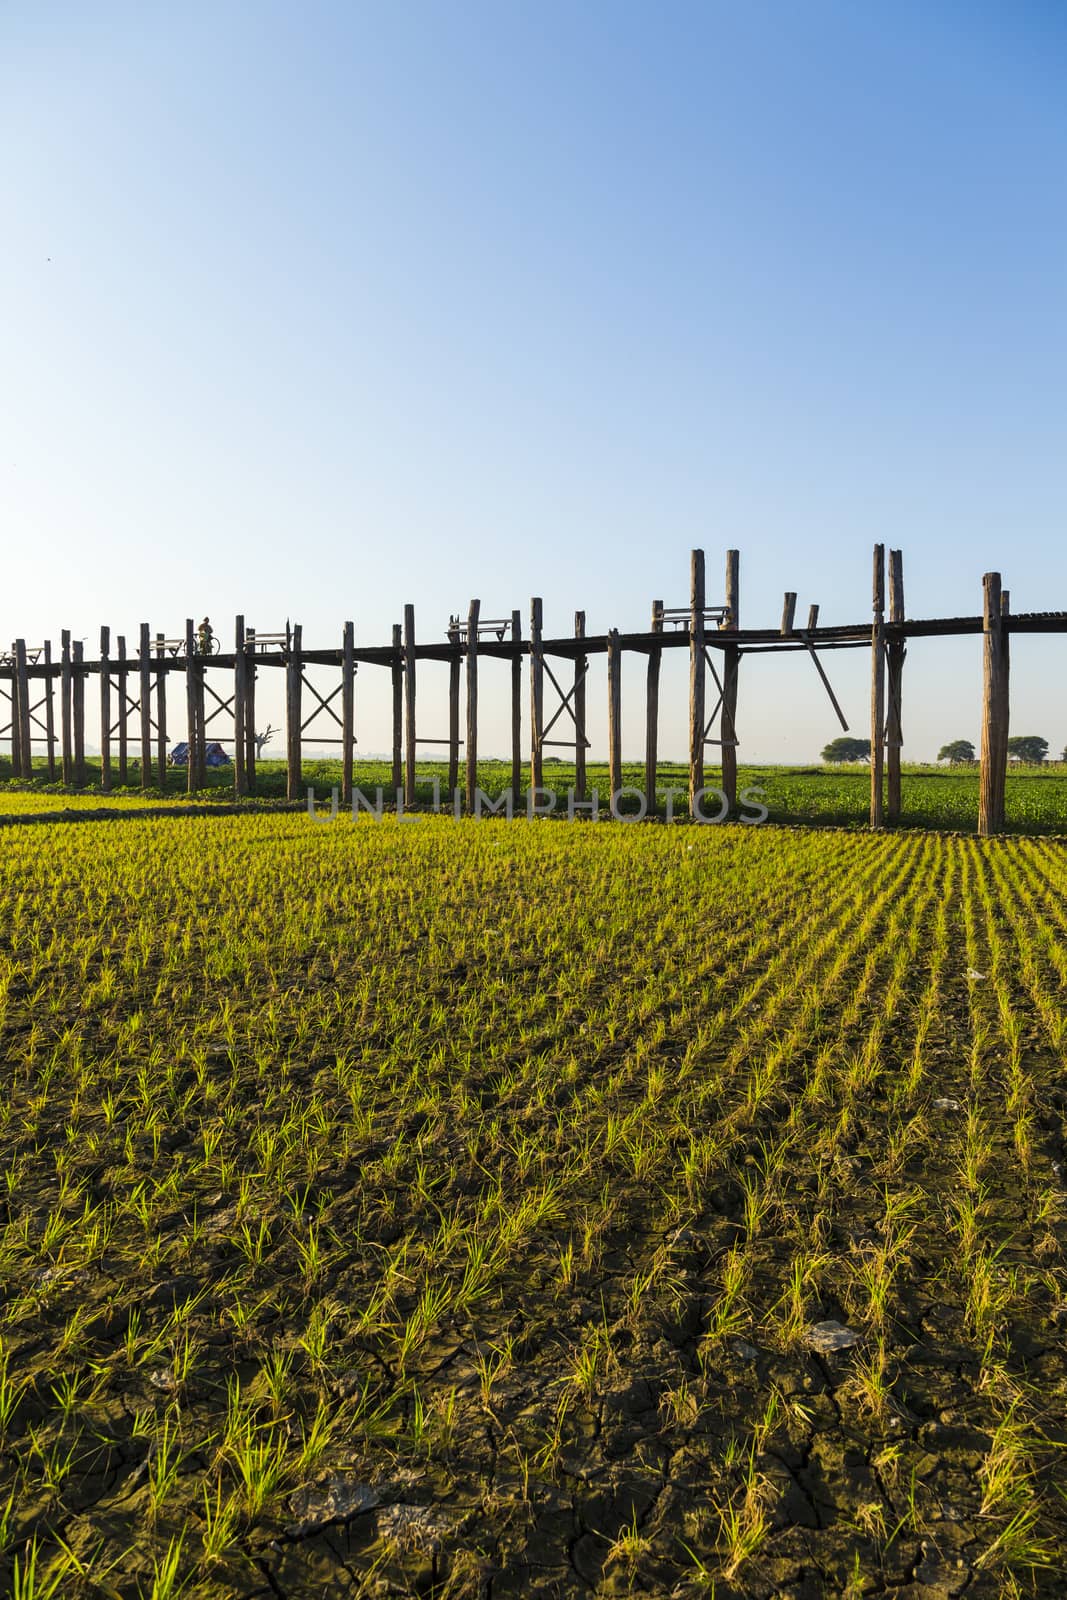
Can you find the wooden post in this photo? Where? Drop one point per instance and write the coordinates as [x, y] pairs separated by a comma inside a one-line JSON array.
[[472, 700], [201, 720], [696, 678], [537, 695], [614, 716], [49, 711], [240, 710], [398, 706], [895, 653], [1004, 708], [105, 710], [65, 707], [250, 710], [409, 705], [78, 709], [655, 657], [161, 713], [21, 703], [454, 662], [813, 618], [731, 661], [516, 709], [348, 711], [191, 775], [789, 607], [293, 703], [580, 666], [144, 653], [120, 672], [994, 709], [878, 686]]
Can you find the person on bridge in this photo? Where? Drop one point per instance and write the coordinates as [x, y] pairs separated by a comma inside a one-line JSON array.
[[205, 637]]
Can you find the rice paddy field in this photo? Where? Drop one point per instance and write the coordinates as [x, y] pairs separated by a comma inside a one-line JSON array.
[[522, 1209]]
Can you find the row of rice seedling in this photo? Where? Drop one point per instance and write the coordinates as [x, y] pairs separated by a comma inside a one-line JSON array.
[[422, 1202]]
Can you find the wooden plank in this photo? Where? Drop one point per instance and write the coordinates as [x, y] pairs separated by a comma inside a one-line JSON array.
[[77, 688], [994, 753], [537, 694], [895, 653], [251, 748], [105, 710], [294, 667], [240, 710], [731, 666], [472, 701], [409, 705], [878, 687], [614, 714], [655, 658], [397, 667], [120, 675], [161, 713], [789, 609], [191, 738], [696, 678], [454, 664], [581, 666], [145, 660], [49, 711], [348, 712], [65, 725], [20, 715], [516, 709]]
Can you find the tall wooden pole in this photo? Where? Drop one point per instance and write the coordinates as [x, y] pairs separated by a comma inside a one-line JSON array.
[[250, 709], [78, 710], [537, 695], [145, 655], [731, 663], [348, 711], [398, 706], [994, 709], [878, 686], [191, 776], [240, 710], [895, 653], [614, 715], [696, 678], [472, 701], [409, 705], [655, 657], [293, 703], [580, 666], [21, 704], [161, 713], [66, 732], [1004, 709], [105, 710], [49, 711], [454, 664], [516, 709]]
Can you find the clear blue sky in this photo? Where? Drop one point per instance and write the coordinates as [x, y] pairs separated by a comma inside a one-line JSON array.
[[314, 310]]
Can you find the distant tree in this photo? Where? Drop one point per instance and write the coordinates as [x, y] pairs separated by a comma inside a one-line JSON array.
[[845, 749], [1028, 747], [1063, 757], [956, 753], [263, 739]]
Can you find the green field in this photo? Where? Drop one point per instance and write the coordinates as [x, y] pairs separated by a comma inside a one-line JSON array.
[[932, 797], [466, 1209]]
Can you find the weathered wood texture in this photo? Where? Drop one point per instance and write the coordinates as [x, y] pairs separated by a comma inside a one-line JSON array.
[[655, 659], [144, 658], [731, 662], [240, 710], [409, 705], [161, 714], [878, 687], [581, 667], [397, 669], [105, 710], [614, 714], [49, 711], [348, 711], [455, 663], [191, 736], [537, 695], [65, 706], [895, 653], [294, 668], [995, 672], [473, 616], [516, 709], [77, 691], [697, 667]]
